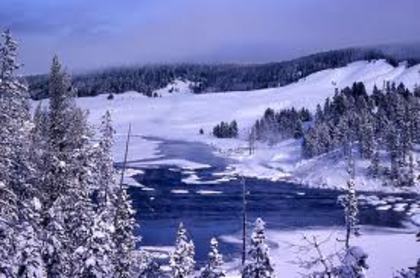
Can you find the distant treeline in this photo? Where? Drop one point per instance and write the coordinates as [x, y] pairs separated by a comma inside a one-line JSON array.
[[209, 78]]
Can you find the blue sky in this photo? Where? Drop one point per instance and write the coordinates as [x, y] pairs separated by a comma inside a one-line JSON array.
[[89, 34]]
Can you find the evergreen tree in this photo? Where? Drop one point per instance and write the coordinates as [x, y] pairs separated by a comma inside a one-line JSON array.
[[375, 161], [350, 204], [259, 264], [106, 182], [123, 236], [182, 260], [353, 263], [8, 218], [213, 269], [148, 267], [20, 253], [59, 185], [101, 247], [60, 145]]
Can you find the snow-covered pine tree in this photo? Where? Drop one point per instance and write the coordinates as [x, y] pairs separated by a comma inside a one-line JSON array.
[[78, 207], [60, 141], [374, 167], [39, 145], [259, 263], [123, 236], [213, 269], [106, 182], [99, 248], [59, 153], [8, 218], [8, 199], [353, 264], [94, 258], [69, 226], [366, 135], [18, 193], [393, 149], [350, 204], [147, 266], [182, 260]]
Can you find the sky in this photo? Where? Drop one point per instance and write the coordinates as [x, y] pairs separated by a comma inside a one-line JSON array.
[[94, 34]]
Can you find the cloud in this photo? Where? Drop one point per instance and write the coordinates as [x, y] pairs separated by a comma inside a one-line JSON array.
[[98, 33]]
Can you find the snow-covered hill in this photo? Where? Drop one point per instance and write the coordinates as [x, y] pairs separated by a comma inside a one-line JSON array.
[[181, 114]]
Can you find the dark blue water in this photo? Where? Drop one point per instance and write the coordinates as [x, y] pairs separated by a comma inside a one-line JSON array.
[[282, 205]]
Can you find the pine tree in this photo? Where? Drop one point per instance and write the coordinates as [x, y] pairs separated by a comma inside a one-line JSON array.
[[213, 269], [393, 146], [95, 257], [410, 173], [8, 198], [366, 135], [350, 204], [8, 218], [375, 161], [107, 185], [353, 264], [59, 190], [147, 266], [259, 264], [100, 246], [182, 260], [20, 253], [60, 141], [123, 236]]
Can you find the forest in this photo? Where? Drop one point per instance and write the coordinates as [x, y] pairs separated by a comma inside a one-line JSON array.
[[207, 78], [384, 127]]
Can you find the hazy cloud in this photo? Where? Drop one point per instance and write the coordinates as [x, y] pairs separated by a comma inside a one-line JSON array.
[[98, 33]]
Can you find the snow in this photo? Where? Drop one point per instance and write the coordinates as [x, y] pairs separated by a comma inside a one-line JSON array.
[[209, 192], [181, 114], [379, 243], [386, 207], [175, 88], [194, 179], [148, 189], [179, 191]]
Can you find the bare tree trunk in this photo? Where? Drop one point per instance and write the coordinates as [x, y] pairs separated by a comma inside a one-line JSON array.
[[125, 155], [243, 221]]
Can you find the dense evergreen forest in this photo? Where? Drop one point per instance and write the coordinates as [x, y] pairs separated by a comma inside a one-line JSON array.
[[210, 78], [383, 126]]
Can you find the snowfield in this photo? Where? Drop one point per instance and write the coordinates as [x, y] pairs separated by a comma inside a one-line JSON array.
[[380, 245], [180, 115]]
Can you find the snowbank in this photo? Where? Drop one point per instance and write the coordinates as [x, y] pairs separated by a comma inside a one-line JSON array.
[[380, 244]]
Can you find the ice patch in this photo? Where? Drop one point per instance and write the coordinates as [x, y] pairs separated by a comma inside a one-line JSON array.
[[179, 191], [145, 188], [208, 192], [400, 207], [385, 207]]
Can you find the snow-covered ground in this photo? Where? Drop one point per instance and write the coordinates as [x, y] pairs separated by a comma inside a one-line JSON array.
[[389, 250], [380, 244], [181, 114]]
